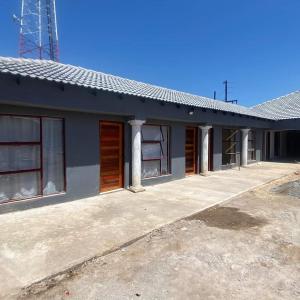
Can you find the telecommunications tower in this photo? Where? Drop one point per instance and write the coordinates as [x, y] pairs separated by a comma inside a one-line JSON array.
[[38, 30]]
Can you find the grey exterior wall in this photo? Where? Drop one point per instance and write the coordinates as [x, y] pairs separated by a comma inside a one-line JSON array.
[[82, 154], [259, 144], [218, 147], [283, 144], [46, 94], [293, 124], [82, 112], [217, 156]]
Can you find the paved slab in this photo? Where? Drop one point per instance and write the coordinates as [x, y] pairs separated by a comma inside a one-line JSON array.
[[38, 243]]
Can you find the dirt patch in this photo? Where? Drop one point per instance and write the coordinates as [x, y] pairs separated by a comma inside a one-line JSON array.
[[228, 218], [291, 253], [288, 188]]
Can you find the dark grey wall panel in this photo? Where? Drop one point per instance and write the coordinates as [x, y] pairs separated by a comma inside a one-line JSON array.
[[82, 154], [293, 124], [127, 155], [217, 160], [50, 95], [259, 144], [178, 151], [82, 112]]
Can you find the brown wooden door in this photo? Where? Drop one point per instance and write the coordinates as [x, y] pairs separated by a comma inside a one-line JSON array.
[[191, 150], [111, 156]]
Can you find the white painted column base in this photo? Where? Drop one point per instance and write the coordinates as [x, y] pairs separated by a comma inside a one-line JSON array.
[[136, 189], [204, 150], [136, 161], [205, 174]]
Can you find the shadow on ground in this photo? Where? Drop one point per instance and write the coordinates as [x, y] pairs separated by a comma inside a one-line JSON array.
[[228, 218]]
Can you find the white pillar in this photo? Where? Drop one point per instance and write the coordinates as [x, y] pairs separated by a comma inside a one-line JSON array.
[[272, 145], [204, 149], [136, 150], [244, 156]]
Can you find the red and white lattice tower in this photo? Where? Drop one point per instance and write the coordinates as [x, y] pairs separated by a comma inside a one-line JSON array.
[[38, 30]]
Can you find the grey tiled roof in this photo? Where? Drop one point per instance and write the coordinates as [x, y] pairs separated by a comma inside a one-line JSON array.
[[285, 107], [68, 74]]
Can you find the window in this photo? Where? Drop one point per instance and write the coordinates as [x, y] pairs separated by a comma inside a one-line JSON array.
[[31, 157], [251, 145], [155, 151], [230, 146]]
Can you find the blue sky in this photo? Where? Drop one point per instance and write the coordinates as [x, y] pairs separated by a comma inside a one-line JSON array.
[[191, 45]]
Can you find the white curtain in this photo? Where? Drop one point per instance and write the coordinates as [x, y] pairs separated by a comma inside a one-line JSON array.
[[19, 186], [19, 129], [53, 156], [27, 157], [150, 168], [15, 158]]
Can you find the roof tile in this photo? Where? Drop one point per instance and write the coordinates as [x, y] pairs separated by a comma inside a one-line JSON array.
[[284, 107], [68, 74]]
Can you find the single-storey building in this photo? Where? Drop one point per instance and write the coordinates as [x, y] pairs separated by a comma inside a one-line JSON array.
[[67, 133]]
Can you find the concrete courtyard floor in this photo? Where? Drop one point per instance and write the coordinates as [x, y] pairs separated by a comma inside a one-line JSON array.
[[246, 248], [39, 243]]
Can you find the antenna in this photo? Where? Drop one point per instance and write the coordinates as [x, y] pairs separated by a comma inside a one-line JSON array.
[[226, 94], [226, 89], [38, 30]]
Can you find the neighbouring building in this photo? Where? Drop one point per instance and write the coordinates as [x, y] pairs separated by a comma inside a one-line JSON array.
[[67, 133]]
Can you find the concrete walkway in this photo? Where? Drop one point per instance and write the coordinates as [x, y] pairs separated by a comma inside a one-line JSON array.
[[38, 243]]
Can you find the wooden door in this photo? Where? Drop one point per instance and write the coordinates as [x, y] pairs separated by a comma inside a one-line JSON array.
[[111, 156], [211, 149], [191, 150]]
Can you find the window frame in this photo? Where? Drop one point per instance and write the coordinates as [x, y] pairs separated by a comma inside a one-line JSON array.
[[39, 143], [236, 142], [161, 148]]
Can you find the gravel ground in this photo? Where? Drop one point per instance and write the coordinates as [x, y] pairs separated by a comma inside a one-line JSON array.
[[248, 248]]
